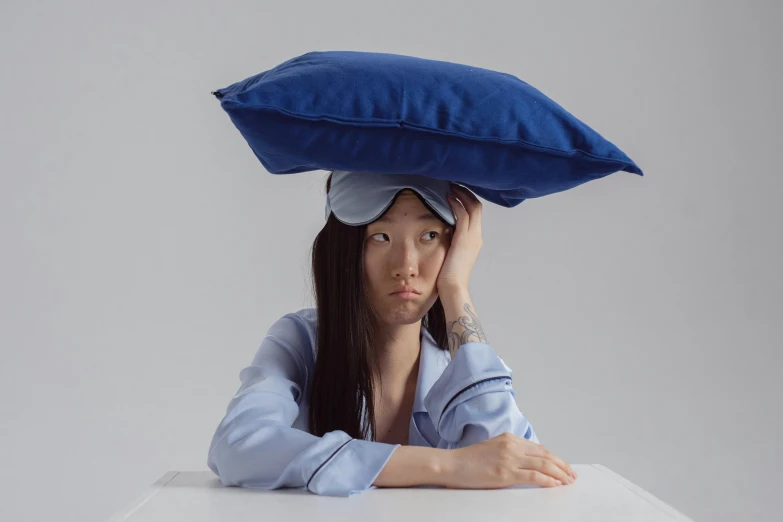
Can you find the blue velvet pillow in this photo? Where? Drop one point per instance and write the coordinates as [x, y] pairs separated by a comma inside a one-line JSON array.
[[389, 113]]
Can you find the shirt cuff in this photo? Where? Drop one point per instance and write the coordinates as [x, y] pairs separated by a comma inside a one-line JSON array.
[[352, 469]]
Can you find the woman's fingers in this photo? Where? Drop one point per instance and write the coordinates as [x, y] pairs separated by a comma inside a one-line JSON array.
[[471, 203], [469, 198], [548, 467], [463, 218], [537, 450], [560, 462], [531, 476]]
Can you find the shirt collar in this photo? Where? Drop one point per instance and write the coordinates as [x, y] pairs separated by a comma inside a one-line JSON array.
[[432, 362]]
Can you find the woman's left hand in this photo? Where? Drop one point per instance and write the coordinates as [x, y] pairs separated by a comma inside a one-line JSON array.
[[465, 242]]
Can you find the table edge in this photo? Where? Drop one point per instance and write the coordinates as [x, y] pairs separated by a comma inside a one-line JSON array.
[[151, 491], [644, 494]]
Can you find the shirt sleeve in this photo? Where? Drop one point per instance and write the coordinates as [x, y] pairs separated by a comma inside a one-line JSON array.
[[473, 399], [255, 445]]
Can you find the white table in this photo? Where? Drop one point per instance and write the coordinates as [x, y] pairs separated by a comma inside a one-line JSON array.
[[597, 495]]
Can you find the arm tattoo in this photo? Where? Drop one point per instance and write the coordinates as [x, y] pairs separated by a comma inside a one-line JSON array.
[[468, 329]]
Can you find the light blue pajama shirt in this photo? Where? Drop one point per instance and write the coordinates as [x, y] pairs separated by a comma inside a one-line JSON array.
[[263, 440]]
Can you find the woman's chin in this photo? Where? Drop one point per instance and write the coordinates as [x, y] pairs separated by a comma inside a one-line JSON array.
[[403, 312]]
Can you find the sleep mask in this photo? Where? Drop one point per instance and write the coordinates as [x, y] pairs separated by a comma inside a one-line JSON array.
[[357, 198]]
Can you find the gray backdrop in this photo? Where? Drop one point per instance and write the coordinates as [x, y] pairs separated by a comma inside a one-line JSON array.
[[145, 250]]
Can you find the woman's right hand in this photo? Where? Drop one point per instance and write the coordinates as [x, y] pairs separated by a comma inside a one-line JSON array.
[[502, 461]]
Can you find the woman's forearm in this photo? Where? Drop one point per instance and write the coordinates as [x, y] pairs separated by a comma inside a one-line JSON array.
[[462, 323], [418, 465], [414, 466]]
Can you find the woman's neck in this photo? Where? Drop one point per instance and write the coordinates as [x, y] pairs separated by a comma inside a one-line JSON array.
[[398, 348]]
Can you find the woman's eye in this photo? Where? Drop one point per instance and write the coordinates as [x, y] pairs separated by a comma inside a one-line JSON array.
[[383, 234]]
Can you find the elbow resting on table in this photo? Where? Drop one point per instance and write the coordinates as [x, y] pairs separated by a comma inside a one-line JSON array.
[[237, 456]]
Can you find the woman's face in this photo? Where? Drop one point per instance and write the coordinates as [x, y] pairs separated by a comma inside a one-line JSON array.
[[405, 246]]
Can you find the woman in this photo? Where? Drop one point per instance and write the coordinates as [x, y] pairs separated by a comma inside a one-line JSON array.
[[376, 387]]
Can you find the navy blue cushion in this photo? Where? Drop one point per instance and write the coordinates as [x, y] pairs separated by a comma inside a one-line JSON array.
[[389, 113]]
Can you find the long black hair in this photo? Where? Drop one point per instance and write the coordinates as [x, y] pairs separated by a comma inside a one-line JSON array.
[[346, 364]]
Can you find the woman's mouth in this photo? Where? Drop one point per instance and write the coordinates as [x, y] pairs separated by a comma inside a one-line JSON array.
[[405, 295]]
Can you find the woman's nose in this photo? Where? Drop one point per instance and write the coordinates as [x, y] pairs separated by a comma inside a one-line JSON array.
[[405, 261]]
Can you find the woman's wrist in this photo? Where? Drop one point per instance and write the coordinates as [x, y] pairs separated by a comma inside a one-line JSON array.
[[462, 323], [415, 466], [443, 466]]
